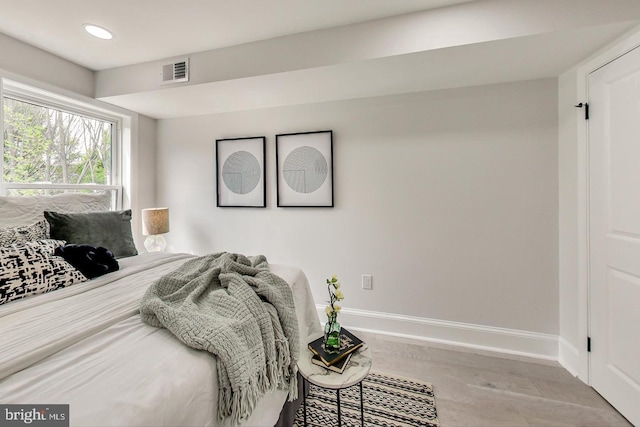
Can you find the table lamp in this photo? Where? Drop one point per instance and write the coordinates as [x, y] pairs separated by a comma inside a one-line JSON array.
[[155, 222]]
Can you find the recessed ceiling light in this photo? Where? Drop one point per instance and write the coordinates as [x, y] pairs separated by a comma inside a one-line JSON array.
[[99, 32]]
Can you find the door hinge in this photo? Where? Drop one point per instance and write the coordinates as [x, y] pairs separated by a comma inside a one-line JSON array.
[[586, 109], [588, 344]]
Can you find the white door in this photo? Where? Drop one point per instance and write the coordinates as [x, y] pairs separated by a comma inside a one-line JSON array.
[[614, 222]]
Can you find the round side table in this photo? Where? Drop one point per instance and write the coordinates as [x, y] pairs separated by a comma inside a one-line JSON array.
[[356, 370]]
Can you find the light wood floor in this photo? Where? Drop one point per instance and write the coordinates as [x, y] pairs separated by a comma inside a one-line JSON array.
[[480, 390]]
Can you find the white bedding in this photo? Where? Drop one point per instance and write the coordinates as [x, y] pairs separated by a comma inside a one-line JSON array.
[[86, 346]]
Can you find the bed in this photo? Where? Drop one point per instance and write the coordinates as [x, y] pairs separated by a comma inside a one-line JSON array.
[[85, 345]]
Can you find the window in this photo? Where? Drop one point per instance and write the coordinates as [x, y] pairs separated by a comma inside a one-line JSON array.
[[51, 146]]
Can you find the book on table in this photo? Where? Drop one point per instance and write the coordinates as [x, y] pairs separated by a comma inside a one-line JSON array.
[[348, 344], [338, 367]]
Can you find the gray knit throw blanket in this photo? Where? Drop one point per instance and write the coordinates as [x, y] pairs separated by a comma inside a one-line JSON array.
[[232, 306]]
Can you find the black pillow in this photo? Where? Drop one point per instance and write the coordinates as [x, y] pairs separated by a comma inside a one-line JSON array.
[[109, 229], [90, 260]]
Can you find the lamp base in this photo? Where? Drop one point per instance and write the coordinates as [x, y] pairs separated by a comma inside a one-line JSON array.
[[155, 243]]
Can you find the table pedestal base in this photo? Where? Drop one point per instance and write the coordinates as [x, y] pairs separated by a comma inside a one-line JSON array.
[[304, 403]]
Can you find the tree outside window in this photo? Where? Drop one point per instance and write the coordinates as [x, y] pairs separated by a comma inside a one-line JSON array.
[[44, 145]]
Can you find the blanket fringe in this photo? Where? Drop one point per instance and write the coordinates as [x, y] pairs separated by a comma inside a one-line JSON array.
[[263, 382], [284, 360], [293, 382], [287, 377], [272, 373], [238, 404]]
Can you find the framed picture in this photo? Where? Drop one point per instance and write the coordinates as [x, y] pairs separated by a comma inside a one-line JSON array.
[[240, 175], [304, 163]]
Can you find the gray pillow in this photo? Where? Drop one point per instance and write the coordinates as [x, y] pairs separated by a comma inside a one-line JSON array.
[[110, 229]]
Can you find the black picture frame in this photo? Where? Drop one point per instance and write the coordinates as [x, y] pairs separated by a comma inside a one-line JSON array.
[[304, 169], [240, 172]]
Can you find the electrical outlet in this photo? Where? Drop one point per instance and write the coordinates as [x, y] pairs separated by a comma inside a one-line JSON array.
[[367, 281]]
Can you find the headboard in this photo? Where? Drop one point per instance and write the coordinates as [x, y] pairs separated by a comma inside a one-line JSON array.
[[17, 211]]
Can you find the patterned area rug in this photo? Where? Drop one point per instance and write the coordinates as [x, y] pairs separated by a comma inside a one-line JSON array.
[[388, 402]]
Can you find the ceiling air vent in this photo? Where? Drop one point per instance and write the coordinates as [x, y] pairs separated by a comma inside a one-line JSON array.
[[176, 72]]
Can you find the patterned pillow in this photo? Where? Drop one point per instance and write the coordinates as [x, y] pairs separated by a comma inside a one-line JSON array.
[[30, 268], [26, 233], [45, 246]]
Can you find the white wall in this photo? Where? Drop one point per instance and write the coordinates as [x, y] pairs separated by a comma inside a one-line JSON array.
[[570, 120], [145, 174], [24, 60], [448, 198]]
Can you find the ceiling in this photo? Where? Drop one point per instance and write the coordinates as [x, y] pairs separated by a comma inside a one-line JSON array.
[[147, 30], [249, 54]]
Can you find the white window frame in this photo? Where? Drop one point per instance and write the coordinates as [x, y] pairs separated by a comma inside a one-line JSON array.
[[22, 92]]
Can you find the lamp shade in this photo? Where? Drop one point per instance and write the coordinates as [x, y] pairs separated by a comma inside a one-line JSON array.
[[155, 221]]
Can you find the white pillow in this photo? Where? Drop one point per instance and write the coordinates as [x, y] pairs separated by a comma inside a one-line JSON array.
[[16, 211], [30, 268]]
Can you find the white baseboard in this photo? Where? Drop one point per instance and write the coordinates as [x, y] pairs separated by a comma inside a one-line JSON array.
[[478, 337], [573, 360]]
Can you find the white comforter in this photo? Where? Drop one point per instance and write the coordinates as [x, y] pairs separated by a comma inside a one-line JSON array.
[[87, 347]]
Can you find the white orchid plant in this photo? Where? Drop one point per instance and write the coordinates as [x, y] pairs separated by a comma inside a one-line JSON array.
[[335, 294]]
